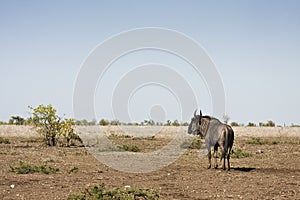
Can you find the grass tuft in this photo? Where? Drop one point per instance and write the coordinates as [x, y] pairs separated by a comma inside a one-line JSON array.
[[260, 141], [4, 140], [239, 153], [195, 144], [25, 168], [101, 192], [73, 170], [132, 148]]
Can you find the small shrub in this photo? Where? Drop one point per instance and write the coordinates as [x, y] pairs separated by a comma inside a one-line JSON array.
[[260, 141], [195, 144], [62, 153], [25, 168], [73, 170], [239, 153], [4, 140], [52, 127], [132, 148], [100, 192], [109, 148], [115, 136], [31, 140]]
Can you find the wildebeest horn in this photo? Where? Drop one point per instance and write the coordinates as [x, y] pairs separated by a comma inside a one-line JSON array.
[[200, 114], [195, 113]]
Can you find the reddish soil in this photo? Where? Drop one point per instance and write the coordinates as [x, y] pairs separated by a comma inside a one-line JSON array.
[[273, 172]]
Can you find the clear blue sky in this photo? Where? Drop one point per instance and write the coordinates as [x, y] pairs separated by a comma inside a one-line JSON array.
[[254, 44]]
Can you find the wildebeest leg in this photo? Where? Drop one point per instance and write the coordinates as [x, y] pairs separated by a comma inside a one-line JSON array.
[[224, 160], [228, 158], [216, 155], [223, 156], [209, 158]]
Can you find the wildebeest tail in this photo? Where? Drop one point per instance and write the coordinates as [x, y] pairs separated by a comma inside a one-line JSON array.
[[226, 135]]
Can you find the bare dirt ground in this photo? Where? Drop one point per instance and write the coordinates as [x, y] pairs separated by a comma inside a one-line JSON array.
[[272, 172]]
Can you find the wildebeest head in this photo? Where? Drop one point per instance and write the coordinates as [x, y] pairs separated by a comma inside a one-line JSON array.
[[194, 126]]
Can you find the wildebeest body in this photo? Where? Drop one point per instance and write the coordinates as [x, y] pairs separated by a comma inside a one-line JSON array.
[[216, 135]]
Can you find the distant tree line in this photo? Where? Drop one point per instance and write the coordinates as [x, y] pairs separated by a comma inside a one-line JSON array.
[[18, 120], [269, 123]]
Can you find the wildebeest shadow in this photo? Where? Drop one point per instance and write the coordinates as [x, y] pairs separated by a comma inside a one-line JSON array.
[[243, 169], [266, 170]]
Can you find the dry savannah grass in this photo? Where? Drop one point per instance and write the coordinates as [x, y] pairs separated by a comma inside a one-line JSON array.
[[265, 165]]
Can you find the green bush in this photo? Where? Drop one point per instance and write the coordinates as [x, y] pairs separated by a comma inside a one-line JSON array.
[[175, 123], [73, 170], [115, 122], [270, 123], [251, 124], [239, 153], [25, 168], [234, 124], [103, 122], [132, 148], [16, 120], [100, 192], [4, 140], [168, 123], [184, 124], [51, 126], [260, 141], [196, 143]]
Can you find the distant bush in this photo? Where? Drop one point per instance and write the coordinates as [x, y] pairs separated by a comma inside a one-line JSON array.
[[168, 123], [92, 123], [234, 124], [100, 192], [16, 120], [25, 168], [103, 122], [148, 122], [135, 124], [175, 123], [115, 122], [270, 123], [82, 122], [295, 125], [184, 124], [251, 124]]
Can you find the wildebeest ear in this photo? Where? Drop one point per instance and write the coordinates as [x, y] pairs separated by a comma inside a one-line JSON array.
[[195, 113], [200, 114]]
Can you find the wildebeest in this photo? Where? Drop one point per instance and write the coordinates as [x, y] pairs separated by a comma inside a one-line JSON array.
[[216, 134]]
